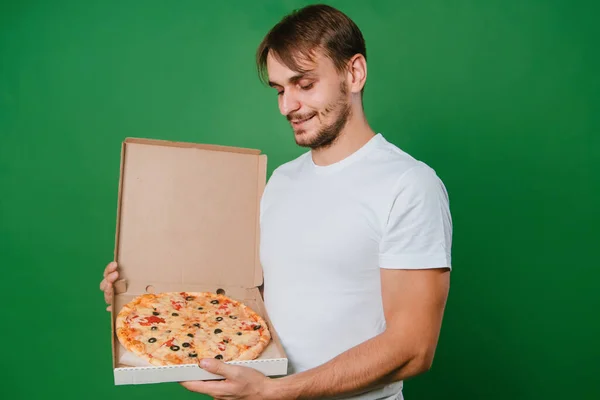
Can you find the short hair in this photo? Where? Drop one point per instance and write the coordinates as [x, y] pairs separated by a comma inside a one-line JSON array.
[[296, 38]]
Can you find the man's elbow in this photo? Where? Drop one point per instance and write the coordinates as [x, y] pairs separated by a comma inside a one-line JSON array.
[[423, 360], [418, 364]]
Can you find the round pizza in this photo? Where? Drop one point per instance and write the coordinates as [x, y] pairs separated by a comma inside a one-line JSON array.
[[184, 327]]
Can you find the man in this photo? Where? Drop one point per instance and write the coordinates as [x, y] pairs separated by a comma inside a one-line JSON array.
[[355, 233]]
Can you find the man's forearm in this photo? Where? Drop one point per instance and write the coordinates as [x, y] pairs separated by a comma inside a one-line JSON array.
[[373, 363]]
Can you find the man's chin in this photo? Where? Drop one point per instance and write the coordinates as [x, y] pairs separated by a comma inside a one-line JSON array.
[[302, 138]]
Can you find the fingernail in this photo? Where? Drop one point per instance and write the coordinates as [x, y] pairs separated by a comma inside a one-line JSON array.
[[204, 363]]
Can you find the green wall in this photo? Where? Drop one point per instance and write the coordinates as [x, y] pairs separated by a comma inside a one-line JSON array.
[[500, 97]]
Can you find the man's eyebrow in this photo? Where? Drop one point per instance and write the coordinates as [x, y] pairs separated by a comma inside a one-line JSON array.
[[295, 79]]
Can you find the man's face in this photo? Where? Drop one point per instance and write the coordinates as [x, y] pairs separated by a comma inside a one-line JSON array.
[[317, 102]]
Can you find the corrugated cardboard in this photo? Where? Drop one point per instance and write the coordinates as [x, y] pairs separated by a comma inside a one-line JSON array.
[[187, 220]]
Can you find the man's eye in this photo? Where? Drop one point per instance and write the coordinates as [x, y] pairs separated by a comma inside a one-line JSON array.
[[279, 93], [307, 87]]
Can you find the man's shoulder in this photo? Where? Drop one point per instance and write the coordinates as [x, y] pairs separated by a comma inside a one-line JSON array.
[[389, 159], [402, 168]]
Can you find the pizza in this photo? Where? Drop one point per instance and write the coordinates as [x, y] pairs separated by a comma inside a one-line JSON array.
[[184, 327]]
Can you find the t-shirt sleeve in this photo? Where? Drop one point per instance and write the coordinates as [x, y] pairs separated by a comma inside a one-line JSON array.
[[418, 230]]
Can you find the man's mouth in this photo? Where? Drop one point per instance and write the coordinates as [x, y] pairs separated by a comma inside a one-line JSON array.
[[299, 122]]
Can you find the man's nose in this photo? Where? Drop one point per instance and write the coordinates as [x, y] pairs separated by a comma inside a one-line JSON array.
[[288, 103]]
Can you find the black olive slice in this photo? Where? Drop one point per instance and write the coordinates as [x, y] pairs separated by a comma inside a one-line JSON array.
[[218, 331], [174, 347], [152, 340], [219, 357]]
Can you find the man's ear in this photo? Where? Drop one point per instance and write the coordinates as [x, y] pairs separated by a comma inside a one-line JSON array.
[[357, 73]]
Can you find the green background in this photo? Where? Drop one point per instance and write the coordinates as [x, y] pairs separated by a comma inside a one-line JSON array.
[[501, 98]]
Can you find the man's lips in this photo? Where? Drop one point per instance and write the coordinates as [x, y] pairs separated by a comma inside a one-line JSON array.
[[298, 122]]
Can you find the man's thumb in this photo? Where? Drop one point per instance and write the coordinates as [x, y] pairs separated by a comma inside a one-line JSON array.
[[215, 367]]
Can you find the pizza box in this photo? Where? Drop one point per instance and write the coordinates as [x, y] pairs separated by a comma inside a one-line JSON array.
[[188, 220]]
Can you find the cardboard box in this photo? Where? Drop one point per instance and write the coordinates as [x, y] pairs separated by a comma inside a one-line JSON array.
[[188, 220]]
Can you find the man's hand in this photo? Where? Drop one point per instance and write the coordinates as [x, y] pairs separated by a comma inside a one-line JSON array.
[[106, 285], [240, 382]]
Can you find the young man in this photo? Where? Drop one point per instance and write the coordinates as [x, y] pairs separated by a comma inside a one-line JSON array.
[[355, 233]]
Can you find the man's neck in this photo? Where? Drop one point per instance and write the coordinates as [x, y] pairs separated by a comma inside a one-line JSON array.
[[355, 135]]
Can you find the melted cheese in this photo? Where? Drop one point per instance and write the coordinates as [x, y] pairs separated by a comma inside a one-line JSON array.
[[187, 324]]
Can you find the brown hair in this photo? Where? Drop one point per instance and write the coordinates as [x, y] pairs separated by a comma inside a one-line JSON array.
[[296, 38]]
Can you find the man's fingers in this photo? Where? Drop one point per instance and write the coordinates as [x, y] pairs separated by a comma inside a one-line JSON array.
[[219, 368], [110, 268], [106, 283], [211, 388], [108, 295], [112, 277]]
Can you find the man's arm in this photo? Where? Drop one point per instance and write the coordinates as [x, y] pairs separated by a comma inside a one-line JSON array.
[[417, 234], [414, 302]]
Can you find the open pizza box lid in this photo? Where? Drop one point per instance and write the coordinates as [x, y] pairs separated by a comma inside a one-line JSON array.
[[188, 220]]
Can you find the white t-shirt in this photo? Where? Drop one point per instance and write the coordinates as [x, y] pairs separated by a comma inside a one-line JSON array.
[[325, 233]]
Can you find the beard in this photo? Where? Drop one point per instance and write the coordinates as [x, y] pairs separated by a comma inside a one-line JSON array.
[[326, 135]]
